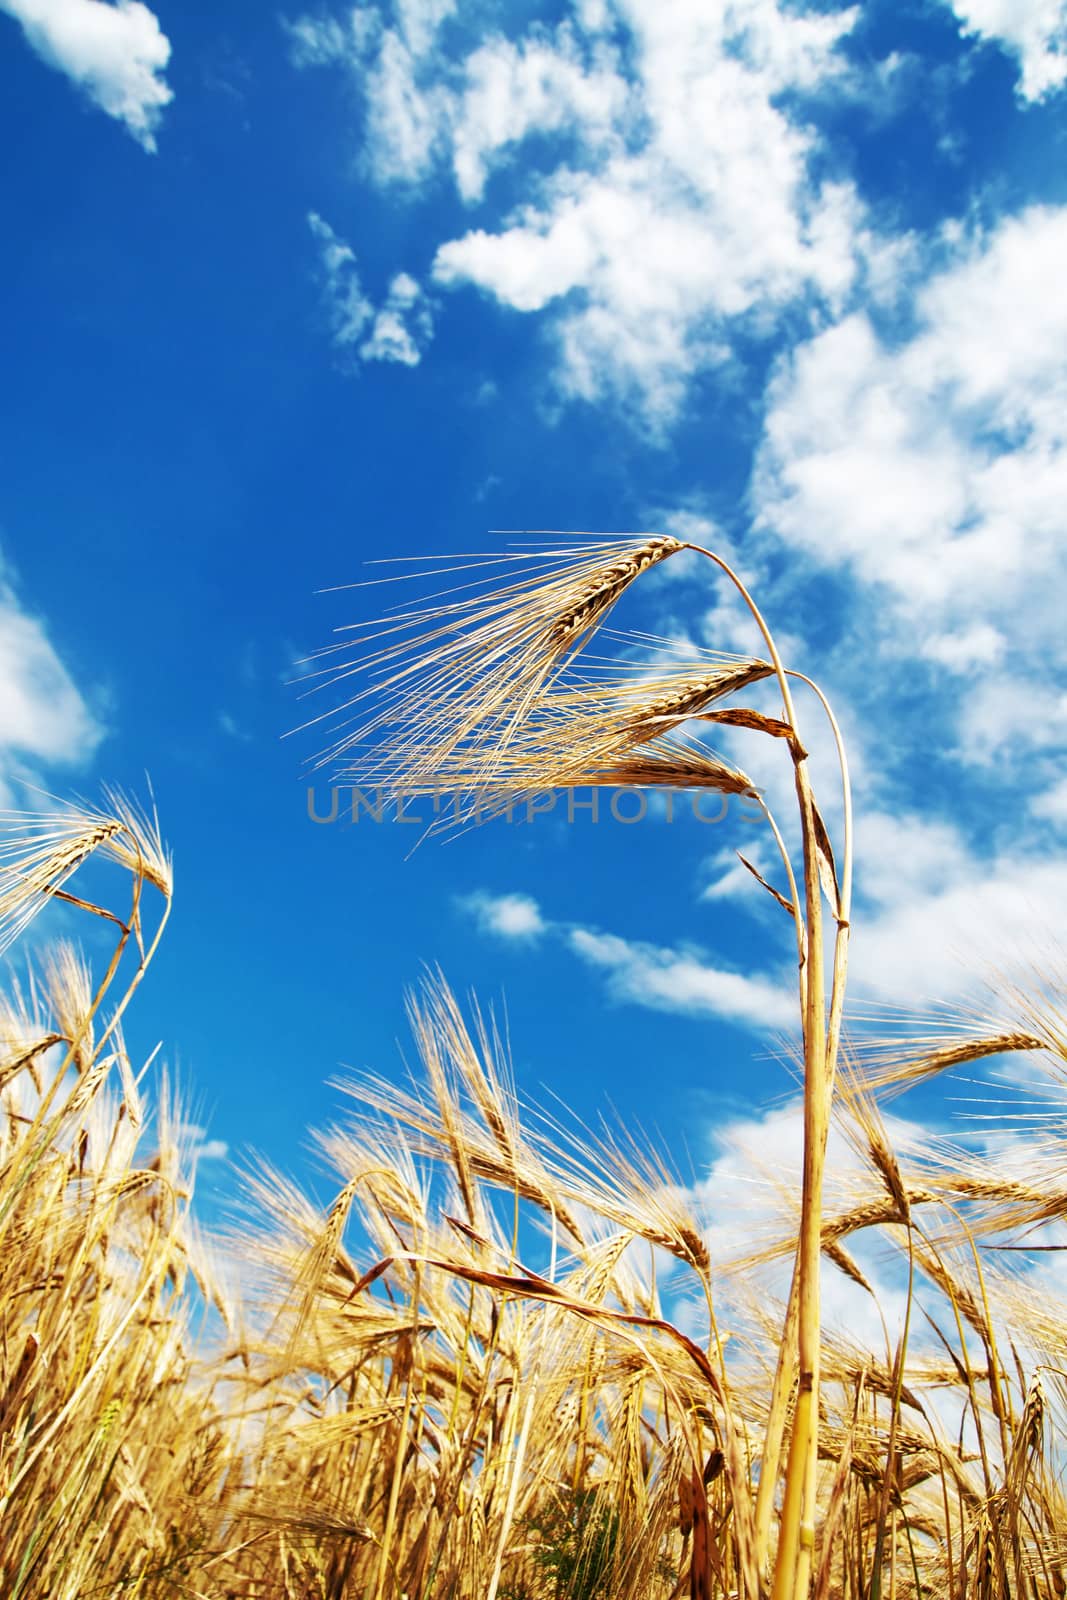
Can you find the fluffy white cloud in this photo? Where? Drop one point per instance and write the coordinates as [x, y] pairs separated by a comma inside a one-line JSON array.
[[976, 646], [941, 940], [1034, 31], [674, 196], [43, 715], [397, 330], [693, 208], [507, 916], [1006, 715], [937, 918], [936, 467], [514, 90], [931, 471], [115, 53]]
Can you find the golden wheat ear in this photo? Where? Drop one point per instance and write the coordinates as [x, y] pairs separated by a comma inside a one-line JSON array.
[[470, 661], [895, 1062], [41, 850], [607, 730], [578, 746]]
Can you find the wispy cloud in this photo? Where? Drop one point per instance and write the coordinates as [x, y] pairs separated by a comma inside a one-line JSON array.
[[116, 54], [402, 326], [196, 1144], [508, 916], [44, 717], [399, 329], [407, 104], [683, 981], [232, 728], [1051, 803]]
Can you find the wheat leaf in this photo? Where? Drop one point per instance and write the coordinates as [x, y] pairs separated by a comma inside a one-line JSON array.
[[787, 905]]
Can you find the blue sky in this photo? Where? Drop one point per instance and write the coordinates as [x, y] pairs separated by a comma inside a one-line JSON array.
[[289, 289]]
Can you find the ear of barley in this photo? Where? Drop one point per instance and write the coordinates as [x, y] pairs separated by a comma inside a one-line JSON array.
[[673, 766], [572, 735], [38, 856], [465, 672], [690, 698], [602, 591], [897, 1066]]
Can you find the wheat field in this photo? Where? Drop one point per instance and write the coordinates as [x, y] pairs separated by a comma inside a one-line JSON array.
[[513, 1361]]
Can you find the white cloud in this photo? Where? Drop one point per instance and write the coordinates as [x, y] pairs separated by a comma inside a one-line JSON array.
[[669, 194], [937, 918], [731, 879], [1051, 803], [403, 326], [398, 330], [936, 467], [902, 857], [407, 109], [406, 118], [348, 307], [682, 981], [933, 916], [506, 916], [421, 20], [43, 715], [1034, 31], [1005, 714], [643, 974], [115, 53], [317, 41], [232, 728], [197, 1146], [978, 645], [931, 471]]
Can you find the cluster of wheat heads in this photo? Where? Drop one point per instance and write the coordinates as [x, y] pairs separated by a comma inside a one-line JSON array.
[[461, 1380], [597, 1447], [481, 690], [102, 1433]]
